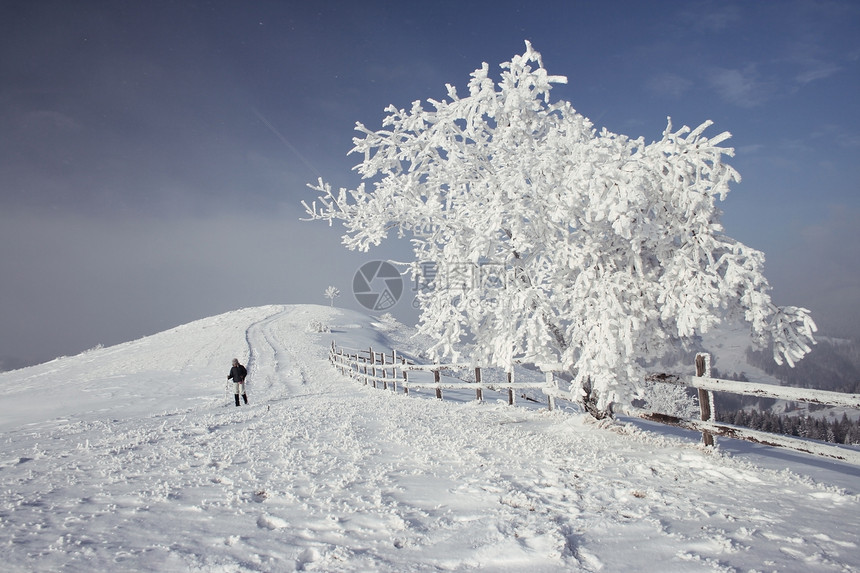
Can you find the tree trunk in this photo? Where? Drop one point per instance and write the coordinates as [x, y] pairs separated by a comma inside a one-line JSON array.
[[589, 401]]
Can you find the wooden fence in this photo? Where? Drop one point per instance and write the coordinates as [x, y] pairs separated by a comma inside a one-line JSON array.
[[388, 370], [709, 427]]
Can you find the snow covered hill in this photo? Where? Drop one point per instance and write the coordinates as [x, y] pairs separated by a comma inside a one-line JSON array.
[[133, 458]]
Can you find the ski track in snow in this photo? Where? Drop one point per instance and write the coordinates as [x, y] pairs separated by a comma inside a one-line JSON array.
[[137, 461]]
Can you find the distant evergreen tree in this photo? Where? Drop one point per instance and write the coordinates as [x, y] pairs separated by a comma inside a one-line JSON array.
[[836, 431]]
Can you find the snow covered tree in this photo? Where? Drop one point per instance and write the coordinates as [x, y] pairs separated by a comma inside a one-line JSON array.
[[552, 242], [332, 293]]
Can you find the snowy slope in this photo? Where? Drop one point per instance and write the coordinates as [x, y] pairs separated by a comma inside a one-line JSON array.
[[728, 346], [132, 458]]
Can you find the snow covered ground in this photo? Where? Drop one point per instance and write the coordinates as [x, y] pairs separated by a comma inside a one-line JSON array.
[[133, 458]]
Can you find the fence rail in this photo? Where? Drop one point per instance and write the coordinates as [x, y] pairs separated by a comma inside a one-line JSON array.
[[710, 427], [390, 370]]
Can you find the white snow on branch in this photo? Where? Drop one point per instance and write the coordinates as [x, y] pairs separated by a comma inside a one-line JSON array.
[[605, 249]]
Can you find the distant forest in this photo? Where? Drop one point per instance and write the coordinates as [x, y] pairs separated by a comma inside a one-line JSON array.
[[840, 431]]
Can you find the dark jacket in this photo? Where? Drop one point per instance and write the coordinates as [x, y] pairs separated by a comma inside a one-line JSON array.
[[237, 374]]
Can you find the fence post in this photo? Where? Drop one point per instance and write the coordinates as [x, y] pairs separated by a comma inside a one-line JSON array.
[[384, 377], [510, 390], [394, 370], [550, 387], [373, 366], [405, 378], [703, 369], [479, 393], [436, 379]]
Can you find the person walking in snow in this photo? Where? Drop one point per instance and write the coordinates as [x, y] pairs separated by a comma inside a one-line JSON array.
[[237, 375]]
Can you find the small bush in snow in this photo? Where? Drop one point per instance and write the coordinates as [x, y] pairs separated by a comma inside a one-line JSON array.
[[388, 320], [318, 326], [670, 399]]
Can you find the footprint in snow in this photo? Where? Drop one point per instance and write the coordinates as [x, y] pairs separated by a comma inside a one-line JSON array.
[[309, 555], [271, 522]]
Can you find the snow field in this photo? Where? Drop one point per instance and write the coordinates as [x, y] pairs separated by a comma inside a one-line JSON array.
[[132, 458]]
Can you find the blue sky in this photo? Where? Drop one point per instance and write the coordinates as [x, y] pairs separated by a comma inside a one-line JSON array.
[[154, 154]]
